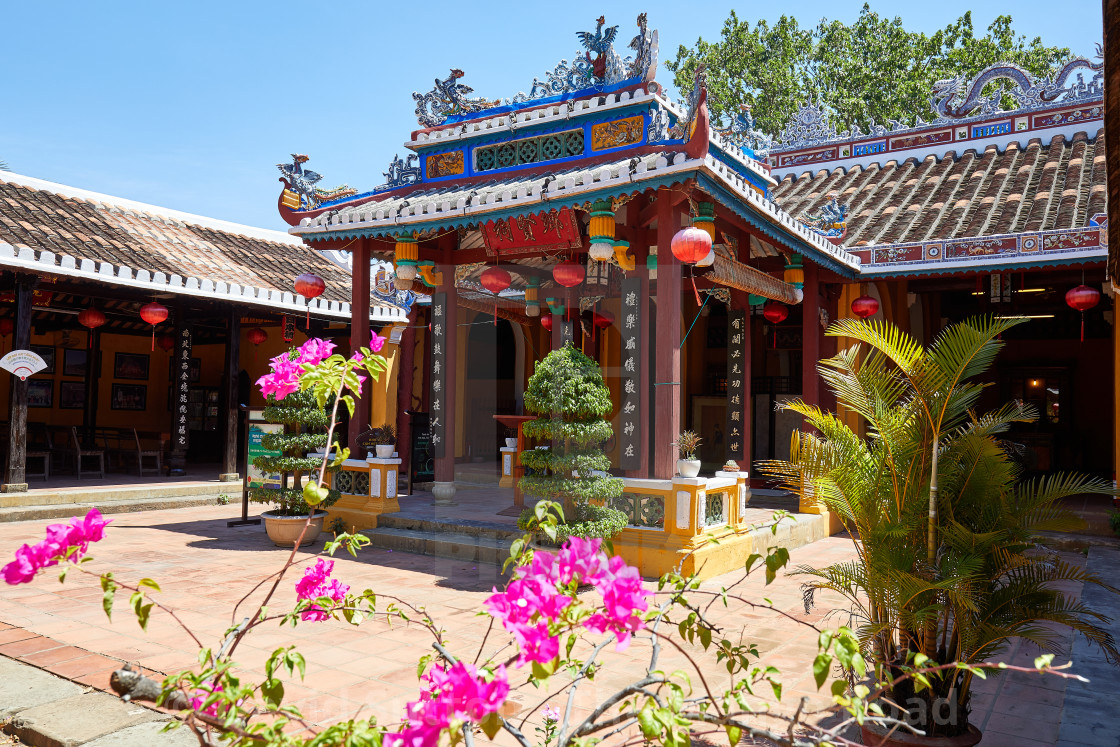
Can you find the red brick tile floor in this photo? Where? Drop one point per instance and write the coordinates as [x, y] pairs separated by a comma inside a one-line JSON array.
[[204, 567]]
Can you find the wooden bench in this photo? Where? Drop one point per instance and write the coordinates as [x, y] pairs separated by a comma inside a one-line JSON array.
[[86, 452]]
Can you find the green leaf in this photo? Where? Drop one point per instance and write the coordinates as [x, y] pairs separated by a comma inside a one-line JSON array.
[[734, 733], [109, 588], [313, 495], [148, 583], [491, 725], [821, 666], [649, 726], [272, 690]]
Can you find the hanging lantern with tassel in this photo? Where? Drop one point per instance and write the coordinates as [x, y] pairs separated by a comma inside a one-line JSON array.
[[7, 326], [165, 342], [495, 280], [406, 256], [568, 273], [601, 231], [91, 319], [256, 335], [692, 245], [546, 322], [1082, 298], [705, 220], [153, 313], [310, 286], [864, 307], [532, 301], [775, 313], [794, 273]]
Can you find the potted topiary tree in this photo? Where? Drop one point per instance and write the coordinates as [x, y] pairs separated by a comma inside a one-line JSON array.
[[570, 400], [305, 425], [949, 567], [687, 442], [384, 439]]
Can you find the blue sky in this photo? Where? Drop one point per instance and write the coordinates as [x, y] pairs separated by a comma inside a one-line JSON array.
[[191, 105]]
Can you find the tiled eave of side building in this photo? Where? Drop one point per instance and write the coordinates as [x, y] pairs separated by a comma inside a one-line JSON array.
[[56, 230], [463, 206], [1027, 199]]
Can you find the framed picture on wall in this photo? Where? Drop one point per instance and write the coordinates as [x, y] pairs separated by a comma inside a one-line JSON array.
[[40, 392], [129, 397], [74, 363], [131, 366], [45, 352], [72, 395]]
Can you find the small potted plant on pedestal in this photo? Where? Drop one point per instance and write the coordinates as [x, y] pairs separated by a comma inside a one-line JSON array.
[[384, 441], [687, 443], [511, 438]]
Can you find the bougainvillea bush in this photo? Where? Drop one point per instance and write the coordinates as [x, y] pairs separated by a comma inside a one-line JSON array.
[[550, 626]]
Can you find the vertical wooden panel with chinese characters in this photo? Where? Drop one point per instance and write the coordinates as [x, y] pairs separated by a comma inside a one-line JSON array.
[[437, 423], [631, 437], [737, 373], [180, 425]]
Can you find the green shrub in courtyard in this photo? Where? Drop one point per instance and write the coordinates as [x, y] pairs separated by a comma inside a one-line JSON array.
[[948, 569], [570, 400]]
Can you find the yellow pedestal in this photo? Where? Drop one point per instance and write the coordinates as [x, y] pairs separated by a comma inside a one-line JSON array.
[[509, 458], [369, 489]]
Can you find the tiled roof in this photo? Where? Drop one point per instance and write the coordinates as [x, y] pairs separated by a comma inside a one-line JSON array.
[[55, 221], [1058, 185]]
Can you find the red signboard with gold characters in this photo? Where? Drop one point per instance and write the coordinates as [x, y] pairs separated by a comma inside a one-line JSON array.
[[529, 234]]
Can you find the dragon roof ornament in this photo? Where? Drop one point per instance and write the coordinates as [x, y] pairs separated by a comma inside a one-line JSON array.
[[954, 101], [606, 68], [744, 134], [448, 98], [831, 221], [301, 183]]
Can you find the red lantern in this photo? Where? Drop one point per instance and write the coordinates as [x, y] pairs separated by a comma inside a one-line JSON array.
[[568, 274], [91, 319], [310, 286], [690, 245], [153, 313], [775, 312], [546, 322], [165, 342], [603, 319], [1082, 298], [256, 335], [864, 306], [495, 280], [7, 326]]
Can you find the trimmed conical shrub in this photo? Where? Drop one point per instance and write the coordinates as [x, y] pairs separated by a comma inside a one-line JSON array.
[[570, 400]]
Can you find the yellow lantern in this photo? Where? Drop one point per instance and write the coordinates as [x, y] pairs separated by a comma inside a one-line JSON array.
[[794, 273], [705, 219], [601, 231], [407, 254]]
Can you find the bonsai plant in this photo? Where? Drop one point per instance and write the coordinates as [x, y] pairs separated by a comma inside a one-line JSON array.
[[687, 442], [384, 439], [305, 424], [511, 438], [570, 400], [948, 568]]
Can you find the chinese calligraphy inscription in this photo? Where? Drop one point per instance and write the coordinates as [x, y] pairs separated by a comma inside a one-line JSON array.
[[437, 408], [630, 432], [737, 340]]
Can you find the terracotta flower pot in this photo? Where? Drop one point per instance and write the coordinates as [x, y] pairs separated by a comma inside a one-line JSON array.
[[284, 530], [873, 736]]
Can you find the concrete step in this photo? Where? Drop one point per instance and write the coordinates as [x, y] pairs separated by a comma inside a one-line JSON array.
[[100, 494], [469, 548], [107, 506], [487, 529]]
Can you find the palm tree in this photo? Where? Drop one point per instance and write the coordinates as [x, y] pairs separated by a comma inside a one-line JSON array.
[[945, 530]]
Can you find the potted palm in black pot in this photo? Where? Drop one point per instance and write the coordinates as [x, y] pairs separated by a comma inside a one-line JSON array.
[[949, 569]]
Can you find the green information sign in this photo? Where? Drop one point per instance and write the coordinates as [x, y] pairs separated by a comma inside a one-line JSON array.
[[257, 430]]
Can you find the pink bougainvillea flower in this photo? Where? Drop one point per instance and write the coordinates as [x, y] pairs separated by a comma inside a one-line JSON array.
[[376, 342], [315, 584], [457, 693], [201, 694], [315, 351], [623, 598], [78, 534]]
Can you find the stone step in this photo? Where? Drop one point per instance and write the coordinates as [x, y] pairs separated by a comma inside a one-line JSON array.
[[100, 494], [488, 529], [108, 506], [468, 548]]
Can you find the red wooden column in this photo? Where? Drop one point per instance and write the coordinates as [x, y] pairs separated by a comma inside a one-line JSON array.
[[359, 333], [667, 368], [444, 488], [15, 467], [404, 398], [810, 337]]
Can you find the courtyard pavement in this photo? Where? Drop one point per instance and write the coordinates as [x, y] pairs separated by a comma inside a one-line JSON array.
[[204, 568]]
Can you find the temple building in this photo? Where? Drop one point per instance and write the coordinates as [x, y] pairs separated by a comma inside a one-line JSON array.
[[521, 224], [152, 324]]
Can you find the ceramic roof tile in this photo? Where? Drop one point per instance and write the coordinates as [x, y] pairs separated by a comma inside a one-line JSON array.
[[100, 231], [1040, 187]]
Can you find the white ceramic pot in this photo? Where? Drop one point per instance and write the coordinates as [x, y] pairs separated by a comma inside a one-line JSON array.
[[688, 467], [384, 451], [511, 443], [285, 530]]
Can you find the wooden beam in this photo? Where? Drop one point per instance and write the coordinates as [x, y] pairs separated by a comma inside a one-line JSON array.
[[15, 468], [667, 367], [359, 333]]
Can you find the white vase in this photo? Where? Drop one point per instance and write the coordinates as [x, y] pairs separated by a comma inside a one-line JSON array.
[[511, 443], [384, 451], [688, 467]]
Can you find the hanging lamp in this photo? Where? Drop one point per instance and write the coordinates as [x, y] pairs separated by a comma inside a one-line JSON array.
[[153, 313], [1082, 298], [601, 231], [310, 286]]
